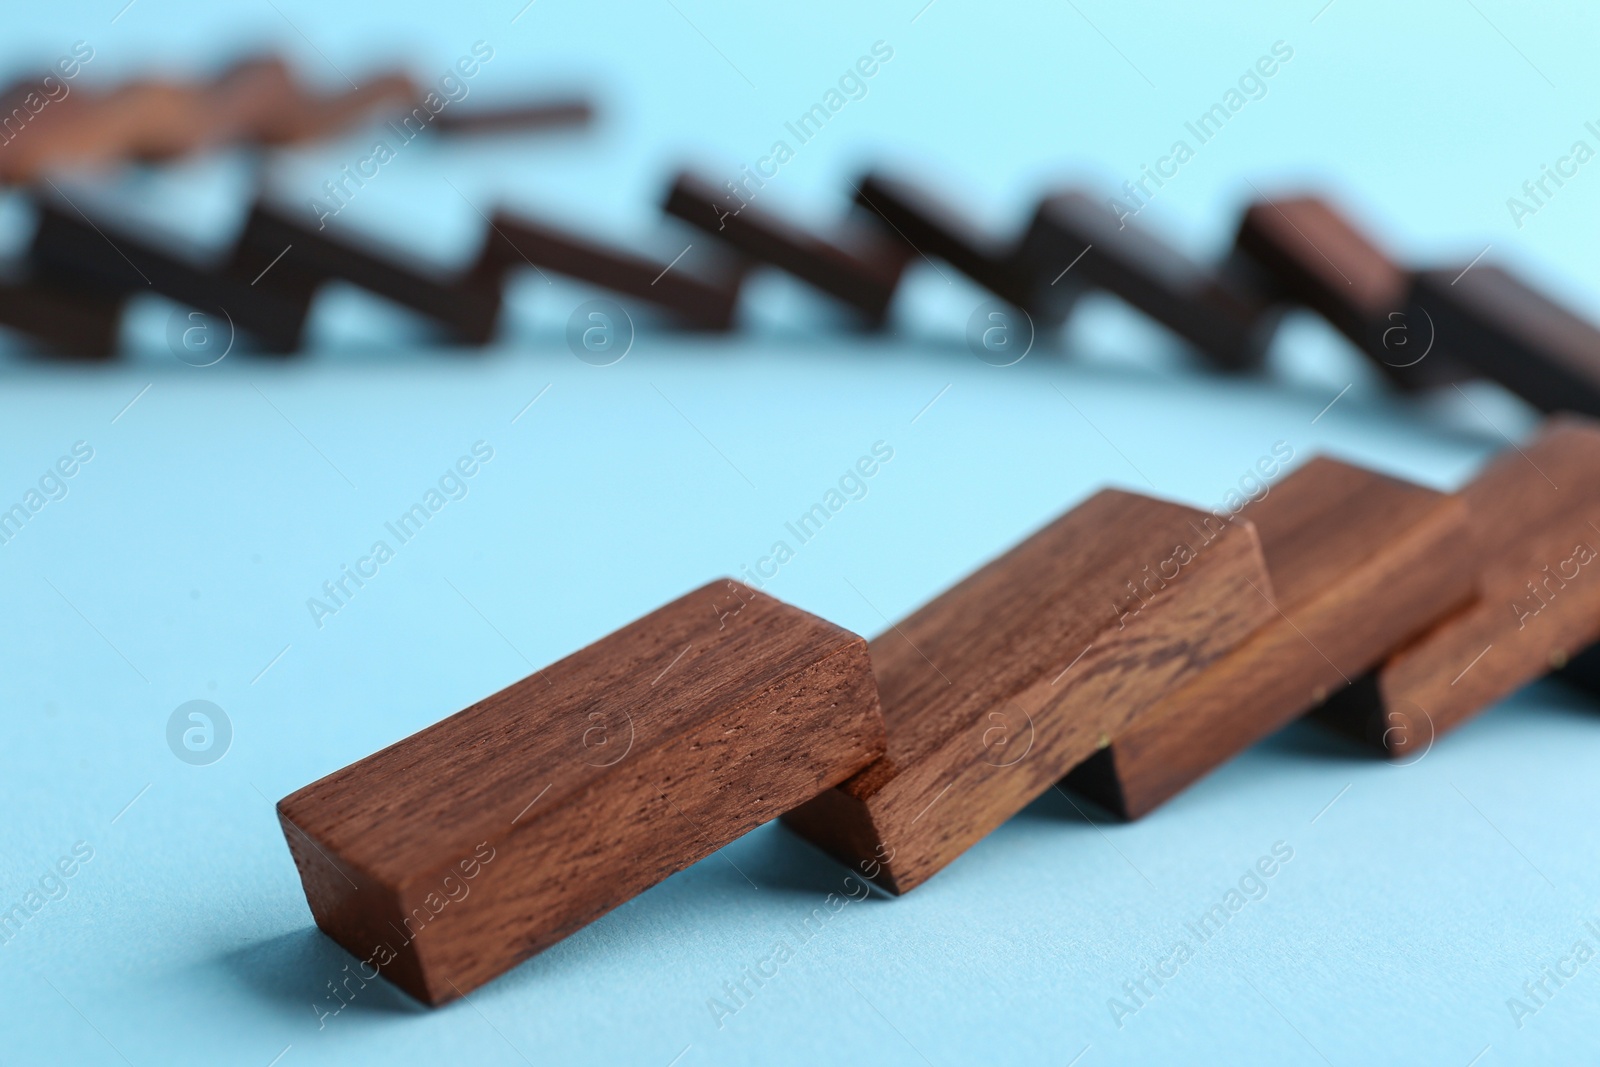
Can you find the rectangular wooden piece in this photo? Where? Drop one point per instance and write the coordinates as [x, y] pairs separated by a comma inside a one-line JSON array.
[[1360, 563], [581, 786], [1533, 518], [998, 687]]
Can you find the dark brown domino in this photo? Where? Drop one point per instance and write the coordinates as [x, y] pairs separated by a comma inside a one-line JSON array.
[[1002, 684], [863, 275], [75, 324], [929, 227], [539, 115], [1486, 317], [698, 301], [1360, 563], [1077, 242], [106, 261], [1534, 519], [1302, 250], [580, 787], [294, 258]]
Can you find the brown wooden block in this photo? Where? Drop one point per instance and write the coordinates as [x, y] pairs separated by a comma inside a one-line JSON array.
[[256, 100], [1302, 250], [929, 227], [1488, 318], [280, 253], [703, 302], [1077, 241], [583, 785], [1534, 519], [1017, 674], [76, 324], [536, 115], [108, 261], [862, 273], [1360, 563]]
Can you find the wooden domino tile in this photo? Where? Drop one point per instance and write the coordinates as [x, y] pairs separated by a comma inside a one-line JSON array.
[[581, 786], [995, 689], [75, 324], [104, 260], [1360, 563], [1534, 520], [862, 275], [541, 115], [696, 300], [1076, 241], [1488, 318], [1302, 250], [932, 228], [293, 258]]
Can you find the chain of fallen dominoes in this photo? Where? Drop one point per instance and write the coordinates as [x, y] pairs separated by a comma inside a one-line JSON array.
[[1422, 327], [1125, 650]]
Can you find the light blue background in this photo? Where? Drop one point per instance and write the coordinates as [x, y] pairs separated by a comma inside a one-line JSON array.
[[181, 560]]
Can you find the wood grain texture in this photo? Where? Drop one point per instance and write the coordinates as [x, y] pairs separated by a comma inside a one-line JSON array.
[[696, 300], [583, 785], [1077, 242], [96, 257], [1360, 564], [1488, 318], [998, 687], [1303, 250], [281, 252], [929, 227], [1534, 519], [861, 272]]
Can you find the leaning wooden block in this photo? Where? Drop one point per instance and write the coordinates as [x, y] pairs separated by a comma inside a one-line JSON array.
[[74, 324], [284, 254], [107, 261], [1005, 682], [1534, 520], [1077, 243], [932, 228], [860, 272], [452, 855], [698, 301], [1303, 250], [1488, 318], [1360, 563]]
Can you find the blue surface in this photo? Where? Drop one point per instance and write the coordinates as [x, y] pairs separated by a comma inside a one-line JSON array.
[[1419, 899]]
